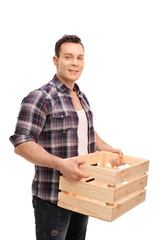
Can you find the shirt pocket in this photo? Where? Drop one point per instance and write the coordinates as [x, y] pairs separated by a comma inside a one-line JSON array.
[[61, 122]]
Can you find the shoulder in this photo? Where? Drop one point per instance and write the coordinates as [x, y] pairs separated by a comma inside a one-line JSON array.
[[43, 95], [49, 90], [34, 97]]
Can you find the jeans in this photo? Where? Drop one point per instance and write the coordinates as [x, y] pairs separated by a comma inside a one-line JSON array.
[[53, 222]]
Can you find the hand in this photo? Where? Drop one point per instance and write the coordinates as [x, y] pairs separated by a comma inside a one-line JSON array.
[[118, 161], [70, 169]]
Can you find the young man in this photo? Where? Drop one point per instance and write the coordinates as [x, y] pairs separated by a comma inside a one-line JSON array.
[[55, 123]]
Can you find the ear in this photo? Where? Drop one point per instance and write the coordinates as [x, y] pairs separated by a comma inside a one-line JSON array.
[[55, 60]]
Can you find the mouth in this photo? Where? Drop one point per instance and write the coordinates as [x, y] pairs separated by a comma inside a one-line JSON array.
[[73, 71]]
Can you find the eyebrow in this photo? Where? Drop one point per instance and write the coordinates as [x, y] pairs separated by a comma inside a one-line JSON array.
[[72, 54]]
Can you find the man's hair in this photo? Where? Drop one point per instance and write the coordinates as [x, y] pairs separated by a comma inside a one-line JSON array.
[[66, 38]]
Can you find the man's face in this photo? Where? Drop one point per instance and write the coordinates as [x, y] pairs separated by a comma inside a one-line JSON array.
[[70, 62]]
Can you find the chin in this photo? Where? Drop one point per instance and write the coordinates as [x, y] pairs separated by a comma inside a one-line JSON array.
[[73, 78]]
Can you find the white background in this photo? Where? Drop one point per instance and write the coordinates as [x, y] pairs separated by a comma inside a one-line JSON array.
[[122, 70]]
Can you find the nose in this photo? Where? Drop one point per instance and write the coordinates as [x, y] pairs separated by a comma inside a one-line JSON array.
[[74, 62]]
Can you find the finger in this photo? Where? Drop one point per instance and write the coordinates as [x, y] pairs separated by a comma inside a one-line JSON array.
[[77, 178], [81, 174], [115, 162], [120, 153], [122, 162], [112, 163], [121, 157]]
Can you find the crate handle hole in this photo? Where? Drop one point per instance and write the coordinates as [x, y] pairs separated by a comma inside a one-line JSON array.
[[95, 164], [90, 180]]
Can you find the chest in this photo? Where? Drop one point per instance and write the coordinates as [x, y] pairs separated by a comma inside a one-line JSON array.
[[63, 113]]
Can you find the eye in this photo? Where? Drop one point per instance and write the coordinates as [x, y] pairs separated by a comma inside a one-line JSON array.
[[67, 57], [80, 58]]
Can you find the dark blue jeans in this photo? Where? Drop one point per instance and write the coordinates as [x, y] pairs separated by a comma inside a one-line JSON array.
[[53, 222]]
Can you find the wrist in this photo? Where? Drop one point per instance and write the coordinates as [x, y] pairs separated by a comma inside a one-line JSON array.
[[59, 162]]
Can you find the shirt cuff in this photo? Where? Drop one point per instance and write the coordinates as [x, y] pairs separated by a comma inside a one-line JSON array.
[[18, 139]]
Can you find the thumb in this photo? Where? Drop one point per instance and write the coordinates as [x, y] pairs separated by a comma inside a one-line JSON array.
[[82, 173], [81, 161]]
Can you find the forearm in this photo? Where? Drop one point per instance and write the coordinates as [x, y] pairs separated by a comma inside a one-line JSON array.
[[37, 155], [101, 145]]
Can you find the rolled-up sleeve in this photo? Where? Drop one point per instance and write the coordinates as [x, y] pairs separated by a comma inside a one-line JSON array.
[[31, 119]]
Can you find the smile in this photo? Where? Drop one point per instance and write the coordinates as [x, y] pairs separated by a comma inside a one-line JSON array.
[[73, 71]]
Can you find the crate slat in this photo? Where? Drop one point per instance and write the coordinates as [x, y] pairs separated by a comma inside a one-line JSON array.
[[87, 189], [97, 191], [130, 202], [107, 156], [130, 187], [100, 174], [97, 209]]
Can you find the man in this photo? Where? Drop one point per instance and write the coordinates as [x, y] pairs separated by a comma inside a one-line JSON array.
[[55, 123]]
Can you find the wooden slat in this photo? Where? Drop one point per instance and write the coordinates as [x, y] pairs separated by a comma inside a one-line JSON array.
[[123, 190], [89, 189], [112, 176], [98, 209], [107, 156], [103, 193], [132, 171], [129, 203], [100, 174], [85, 206]]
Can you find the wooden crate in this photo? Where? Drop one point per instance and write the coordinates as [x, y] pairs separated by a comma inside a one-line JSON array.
[[109, 192]]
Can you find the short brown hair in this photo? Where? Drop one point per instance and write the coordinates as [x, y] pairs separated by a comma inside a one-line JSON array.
[[66, 38]]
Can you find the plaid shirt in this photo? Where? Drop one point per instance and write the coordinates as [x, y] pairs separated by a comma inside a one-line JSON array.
[[48, 117]]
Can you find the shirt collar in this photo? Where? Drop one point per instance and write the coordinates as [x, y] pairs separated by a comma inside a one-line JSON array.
[[62, 87]]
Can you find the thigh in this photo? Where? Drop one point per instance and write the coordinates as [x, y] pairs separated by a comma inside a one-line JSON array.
[[51, 221], [77, 227]]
